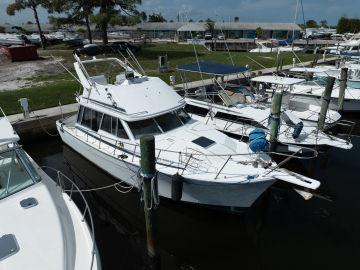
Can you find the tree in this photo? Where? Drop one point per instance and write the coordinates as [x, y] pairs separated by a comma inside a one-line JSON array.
[[191, 20], [2, 29], [324, 24], [346, 25], [156, 18], [210, 24], [311, 24], [77, 12], [110, 11], [143, 16], [33, 5], [259, 32], [236, 19]]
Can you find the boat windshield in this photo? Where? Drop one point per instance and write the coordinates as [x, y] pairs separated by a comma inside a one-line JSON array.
[[16, 172], [106, 71], [159, 124]]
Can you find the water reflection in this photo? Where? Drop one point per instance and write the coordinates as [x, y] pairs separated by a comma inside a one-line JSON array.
[[280, 231]]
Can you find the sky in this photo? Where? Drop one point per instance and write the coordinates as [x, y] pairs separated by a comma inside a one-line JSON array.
[[246, 10]]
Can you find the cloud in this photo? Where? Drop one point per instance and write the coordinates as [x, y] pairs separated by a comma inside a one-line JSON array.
[[246, 10]]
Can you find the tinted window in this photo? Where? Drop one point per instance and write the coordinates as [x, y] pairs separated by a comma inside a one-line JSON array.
[[109, 124], [168, 121], [80, 112], [96, 120], [86, 119], [13, 174], [237, 119], [91, 119], [196, 110], [121, 133], [182, 114], [144, 127]]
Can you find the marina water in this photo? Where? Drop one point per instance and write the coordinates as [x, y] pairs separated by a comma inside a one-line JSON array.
[[280, 231]]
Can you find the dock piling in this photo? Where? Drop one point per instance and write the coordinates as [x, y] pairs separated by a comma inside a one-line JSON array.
[[148, 173], [343, 84], [325, 100], [275, 120]]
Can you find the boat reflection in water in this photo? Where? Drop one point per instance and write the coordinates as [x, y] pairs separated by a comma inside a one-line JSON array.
[[271, 234], [187, 234]]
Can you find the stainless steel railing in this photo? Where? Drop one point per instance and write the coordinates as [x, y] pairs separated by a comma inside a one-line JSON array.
[[61, 180]]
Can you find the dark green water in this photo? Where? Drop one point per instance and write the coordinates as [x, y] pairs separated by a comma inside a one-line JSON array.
[[281, 231]]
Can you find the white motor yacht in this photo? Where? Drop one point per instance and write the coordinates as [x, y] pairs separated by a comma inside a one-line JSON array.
[[311, 92], [236, 111], [267, 47], [322, 72], [120, 105], [41, 227]]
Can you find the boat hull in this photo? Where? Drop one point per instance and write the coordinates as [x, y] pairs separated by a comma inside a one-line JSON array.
[[350, 105], [194, 191]]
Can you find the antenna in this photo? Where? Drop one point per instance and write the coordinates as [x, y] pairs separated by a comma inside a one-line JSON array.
[[226, 45], [293, 33], [196, 55]]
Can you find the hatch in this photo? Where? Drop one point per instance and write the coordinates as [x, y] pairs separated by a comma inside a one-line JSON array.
[[203, 142], [8, 246]]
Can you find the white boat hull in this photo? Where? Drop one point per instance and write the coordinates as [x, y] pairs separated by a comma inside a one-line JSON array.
[[350, 105], [199, 192]]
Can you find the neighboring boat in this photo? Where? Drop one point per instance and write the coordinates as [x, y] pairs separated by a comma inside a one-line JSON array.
[[73, 40], [117, 109], [41, 227], [353, 80], [11, 39], [267, 47], [236, 111], [311, 92]]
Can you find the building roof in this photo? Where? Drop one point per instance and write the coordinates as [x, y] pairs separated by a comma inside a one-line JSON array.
[[199, 26], [193, 27], [253, 26]]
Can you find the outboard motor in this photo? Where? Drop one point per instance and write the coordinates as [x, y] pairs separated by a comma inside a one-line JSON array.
[[257, 140], [297, 130]]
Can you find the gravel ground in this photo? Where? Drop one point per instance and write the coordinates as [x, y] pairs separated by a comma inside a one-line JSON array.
[[15, 75]]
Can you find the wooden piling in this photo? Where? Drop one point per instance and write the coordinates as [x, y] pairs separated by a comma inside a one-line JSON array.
[[343, 82], [325, 100], [281, 64], [275, 120], [148, 171]]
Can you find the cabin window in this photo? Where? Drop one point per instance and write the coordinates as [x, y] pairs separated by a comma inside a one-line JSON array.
[[183, 115], [237, 119], [109, 124], [121, 133], [96, 120], [80, 112], [168, 121], [196, 110], [144, 127], [86, 119], [91, 119], [16, 172]]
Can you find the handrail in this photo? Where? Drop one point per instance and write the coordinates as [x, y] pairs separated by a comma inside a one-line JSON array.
[[60, 182], [166, 150], [182, 163]]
